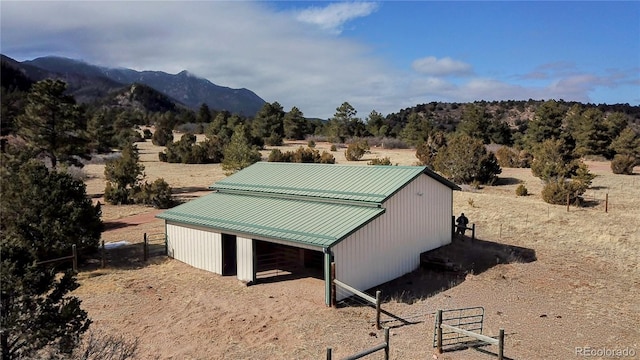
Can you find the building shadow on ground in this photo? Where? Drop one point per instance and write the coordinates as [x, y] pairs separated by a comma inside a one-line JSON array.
[[446, 267]]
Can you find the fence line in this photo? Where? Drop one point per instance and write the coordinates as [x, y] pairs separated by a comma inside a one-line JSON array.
[[368, 298], [73, 257], [383, 346], [153, 239]]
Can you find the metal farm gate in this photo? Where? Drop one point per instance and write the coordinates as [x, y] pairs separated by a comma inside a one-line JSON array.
[[469, 319]]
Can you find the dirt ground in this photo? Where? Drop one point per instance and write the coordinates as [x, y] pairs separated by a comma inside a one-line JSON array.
[[573, 281]]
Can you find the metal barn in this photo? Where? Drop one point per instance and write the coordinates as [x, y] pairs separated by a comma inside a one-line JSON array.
[[373, 222]]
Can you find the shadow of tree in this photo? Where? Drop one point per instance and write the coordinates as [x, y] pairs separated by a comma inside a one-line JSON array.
[[507, 181], [112, 225], [189, 189]]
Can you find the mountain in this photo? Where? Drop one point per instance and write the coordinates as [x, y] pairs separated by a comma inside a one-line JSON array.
[[87, 82], [84, 85], [140, 97]]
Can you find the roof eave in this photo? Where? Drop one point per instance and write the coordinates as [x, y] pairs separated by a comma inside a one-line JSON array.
[[441, 179]]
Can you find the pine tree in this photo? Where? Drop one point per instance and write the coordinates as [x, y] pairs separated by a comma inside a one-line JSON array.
[[122, 175], [588, 129], [554, 160], [417, 130], [545, 125], [239, 154], [42, 214], [268, 124], [475, 122], [204, 114], [338, 127], [466, 160], [36, 309], [294, 124], [376, 125], [53, 124], [49, 209], [101, 131]]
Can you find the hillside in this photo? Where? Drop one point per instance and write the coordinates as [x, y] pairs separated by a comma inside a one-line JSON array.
[[90, 83], [512, 112]]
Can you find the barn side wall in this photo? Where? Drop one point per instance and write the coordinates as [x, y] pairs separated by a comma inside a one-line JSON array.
[[417, 219], [199, 248], [245, 261]]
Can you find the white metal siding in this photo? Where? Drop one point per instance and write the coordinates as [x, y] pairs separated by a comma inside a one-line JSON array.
[[417, 219], [197, 247], [245, 264]]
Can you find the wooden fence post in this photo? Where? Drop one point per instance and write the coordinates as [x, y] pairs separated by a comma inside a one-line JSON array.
[[386, 340], [439, 331], [501, 345], [567, 202], [145, 250], [606, 203], [102, 255], [328, 353], [75, 258], [378, 301], [473, 231], [333, 284]]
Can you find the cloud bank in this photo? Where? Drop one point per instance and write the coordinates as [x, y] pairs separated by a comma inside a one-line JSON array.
[[441, 67], [296, 57]]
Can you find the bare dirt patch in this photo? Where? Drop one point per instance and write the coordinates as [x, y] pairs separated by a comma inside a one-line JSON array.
[[582, 289]]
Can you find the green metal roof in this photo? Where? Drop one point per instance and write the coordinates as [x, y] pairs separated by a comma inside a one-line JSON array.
[[313, 204], [314, 223], [373, 184]]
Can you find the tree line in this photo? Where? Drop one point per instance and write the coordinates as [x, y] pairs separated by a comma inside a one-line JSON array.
[[44, 209]]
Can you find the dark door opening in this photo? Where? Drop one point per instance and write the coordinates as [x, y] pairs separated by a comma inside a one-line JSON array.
[[229, 265], [276, 262]]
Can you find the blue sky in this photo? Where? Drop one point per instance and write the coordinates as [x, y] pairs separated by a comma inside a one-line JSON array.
[[381, 56]]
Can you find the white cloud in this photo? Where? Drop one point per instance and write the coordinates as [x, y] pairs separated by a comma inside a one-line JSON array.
[[441, 67], [252, 45], [235, 44], [332, 17]]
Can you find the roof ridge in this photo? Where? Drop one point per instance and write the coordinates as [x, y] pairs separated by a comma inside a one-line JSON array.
[[289, 196], [355, 193]]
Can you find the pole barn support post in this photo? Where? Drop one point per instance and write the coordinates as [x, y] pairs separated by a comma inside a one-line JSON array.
[[328, 280], [333, 284]]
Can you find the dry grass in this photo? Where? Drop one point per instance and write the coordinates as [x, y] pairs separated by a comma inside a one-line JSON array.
[[583, 290]]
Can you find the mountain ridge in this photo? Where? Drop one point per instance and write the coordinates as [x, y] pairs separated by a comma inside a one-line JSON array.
[[93, 82]]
